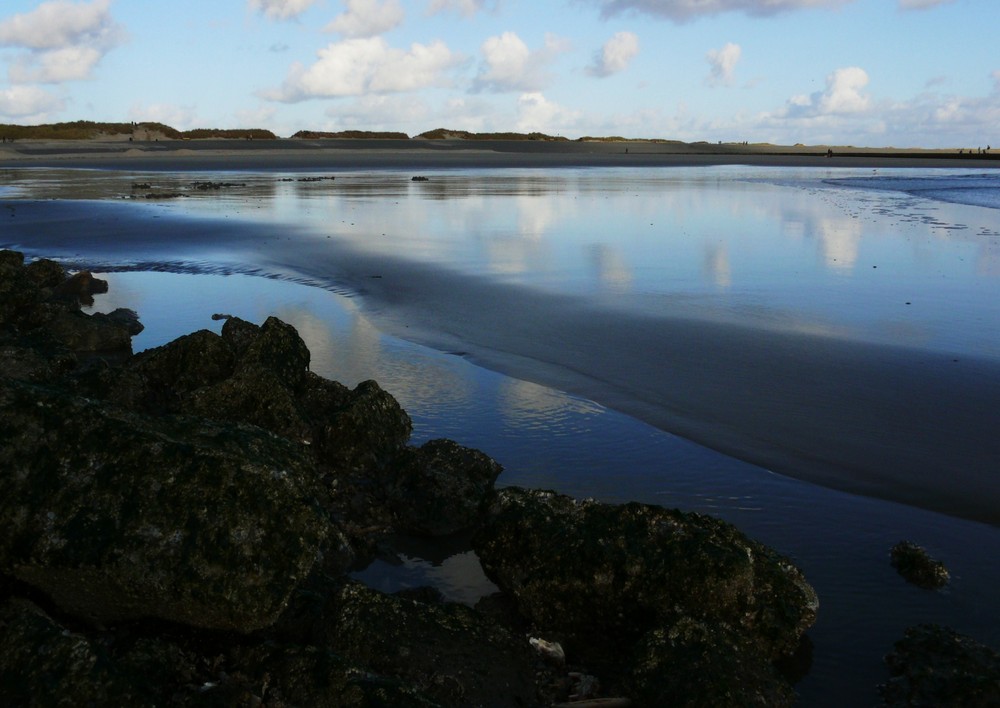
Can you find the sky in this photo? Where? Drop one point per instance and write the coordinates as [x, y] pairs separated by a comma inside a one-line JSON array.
[[901, 73]]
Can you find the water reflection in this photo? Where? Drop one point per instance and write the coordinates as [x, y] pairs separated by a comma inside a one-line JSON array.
[[791, 245]]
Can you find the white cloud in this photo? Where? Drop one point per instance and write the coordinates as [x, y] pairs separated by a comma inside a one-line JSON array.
[[28, 101], [537, 113], [465, 7], [843, 95], [682, 10], [356, 67], [615, 55], [64, 41], [55, 66], [179, 117], [59, 24], [921, 4], [723, 64], [509, 65], [281, 9], [367, 18]]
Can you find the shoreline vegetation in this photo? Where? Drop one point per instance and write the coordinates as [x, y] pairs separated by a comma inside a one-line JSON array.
[[75, 143]]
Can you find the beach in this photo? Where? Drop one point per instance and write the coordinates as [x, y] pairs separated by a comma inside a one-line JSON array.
[[903, 413]]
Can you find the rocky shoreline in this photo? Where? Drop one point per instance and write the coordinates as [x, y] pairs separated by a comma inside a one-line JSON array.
[[179, 526]]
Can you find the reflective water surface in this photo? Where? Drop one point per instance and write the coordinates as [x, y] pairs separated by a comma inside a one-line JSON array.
[[846, 256]]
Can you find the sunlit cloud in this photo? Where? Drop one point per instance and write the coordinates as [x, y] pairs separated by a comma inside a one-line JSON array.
[[509, 65], [683, 10], [843, 95], [367, 18], [615, 55], [921, 4], [468, 8], [535, 113], [356, 67], [722, 63], [61, 41], [28, 101], [280, 9]]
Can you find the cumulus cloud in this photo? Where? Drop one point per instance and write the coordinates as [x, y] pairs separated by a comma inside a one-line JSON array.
[[464, 7], [25, 101], [682, 10], [537, 113], [356, 67], [62, 41], [367, 18], [615, 55], [843, 95], [921, 4], [280, 9], [509, 65], [722, 63]]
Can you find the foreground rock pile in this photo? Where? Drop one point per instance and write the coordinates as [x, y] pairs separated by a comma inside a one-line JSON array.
[[178, 527]]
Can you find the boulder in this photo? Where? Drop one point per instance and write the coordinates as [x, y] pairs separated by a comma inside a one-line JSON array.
[[917, 567], [450, 653], [80, 288], [440, 488], [697, 664], [603, 575], [116, 516], [936, 666]]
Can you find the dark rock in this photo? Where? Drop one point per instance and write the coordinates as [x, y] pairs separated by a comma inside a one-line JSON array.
[[117, 516], [695, 663], [448, 652], [98, 334], [364, 432], [935, 666], [46, 273], [587, 570], [440, 487], [44, 664], [129, 319], [313, 676], [80, 287], [279, 349], [913, 563], [239, 334]]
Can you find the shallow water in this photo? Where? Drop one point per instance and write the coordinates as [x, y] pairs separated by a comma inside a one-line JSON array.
[[545, 438], [817, 255]]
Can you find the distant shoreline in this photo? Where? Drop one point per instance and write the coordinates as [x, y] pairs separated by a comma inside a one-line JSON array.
[[222, 154]]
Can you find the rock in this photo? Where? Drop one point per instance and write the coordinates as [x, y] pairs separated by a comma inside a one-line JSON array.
[[440, 487], [186, 364], [604, 575], [279, 349], [46, 273], [364, 431], [913, 563], [316, 677], [447, 651], [694, 663], [45, 664], [935, 666], [98, 334], [116, 516], [80, 287]]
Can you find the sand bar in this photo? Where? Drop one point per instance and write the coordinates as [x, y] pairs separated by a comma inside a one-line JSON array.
[[458, 154]]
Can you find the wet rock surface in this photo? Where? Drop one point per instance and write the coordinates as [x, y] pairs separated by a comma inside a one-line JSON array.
[[583, 569], [178, 528], [936, 666], [917, 567]]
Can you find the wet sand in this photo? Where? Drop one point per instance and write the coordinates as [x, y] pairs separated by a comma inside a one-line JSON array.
[[908, 425], [458, 154], [902, 424]]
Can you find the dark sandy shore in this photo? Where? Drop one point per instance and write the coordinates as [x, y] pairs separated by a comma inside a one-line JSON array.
[[443, 154], [910, 426]]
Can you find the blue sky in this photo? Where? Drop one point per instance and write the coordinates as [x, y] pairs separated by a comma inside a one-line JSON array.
[[860, 72]]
